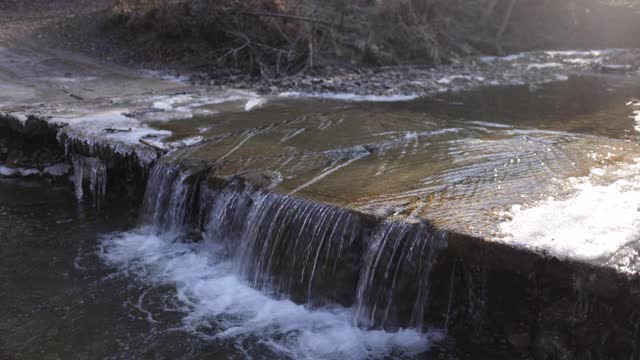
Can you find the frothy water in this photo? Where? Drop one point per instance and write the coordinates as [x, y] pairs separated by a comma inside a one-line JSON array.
[[596, 220], [222, 305]]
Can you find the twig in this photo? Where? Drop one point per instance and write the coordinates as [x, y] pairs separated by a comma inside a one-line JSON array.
[[503, 27]]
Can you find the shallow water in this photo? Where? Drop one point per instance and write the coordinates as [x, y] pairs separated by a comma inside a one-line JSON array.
[[457, 159]]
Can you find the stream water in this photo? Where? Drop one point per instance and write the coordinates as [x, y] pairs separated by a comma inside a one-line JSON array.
[[74, 287], [238, 272]]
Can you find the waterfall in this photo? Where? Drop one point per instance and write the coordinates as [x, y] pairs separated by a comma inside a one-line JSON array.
[[288, 244], [311, 252], [398, 260], [171, 197]]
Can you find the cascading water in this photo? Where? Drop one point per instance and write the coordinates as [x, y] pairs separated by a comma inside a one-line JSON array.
[[398, 259], [258, 247], [170, 197], [294, 246]]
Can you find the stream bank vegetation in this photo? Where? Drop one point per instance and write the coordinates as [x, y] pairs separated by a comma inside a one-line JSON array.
[[275, 38]]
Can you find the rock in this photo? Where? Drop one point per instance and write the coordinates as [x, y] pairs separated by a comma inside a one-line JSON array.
[[521, 340]]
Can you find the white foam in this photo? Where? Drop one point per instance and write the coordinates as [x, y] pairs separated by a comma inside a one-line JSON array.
[[207, 284], [593, 223], [254, 103], [349, 96]]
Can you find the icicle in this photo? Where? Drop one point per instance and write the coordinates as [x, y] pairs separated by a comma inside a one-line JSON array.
[[95, 171], [78, 170]]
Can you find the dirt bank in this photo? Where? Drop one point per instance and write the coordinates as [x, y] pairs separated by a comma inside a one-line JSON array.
[[265, 43]]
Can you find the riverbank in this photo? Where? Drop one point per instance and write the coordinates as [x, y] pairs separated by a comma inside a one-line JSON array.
[[134, 34]]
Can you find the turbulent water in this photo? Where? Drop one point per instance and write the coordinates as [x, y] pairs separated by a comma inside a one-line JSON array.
[[85, 291], [221, 304], [258, 249]]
